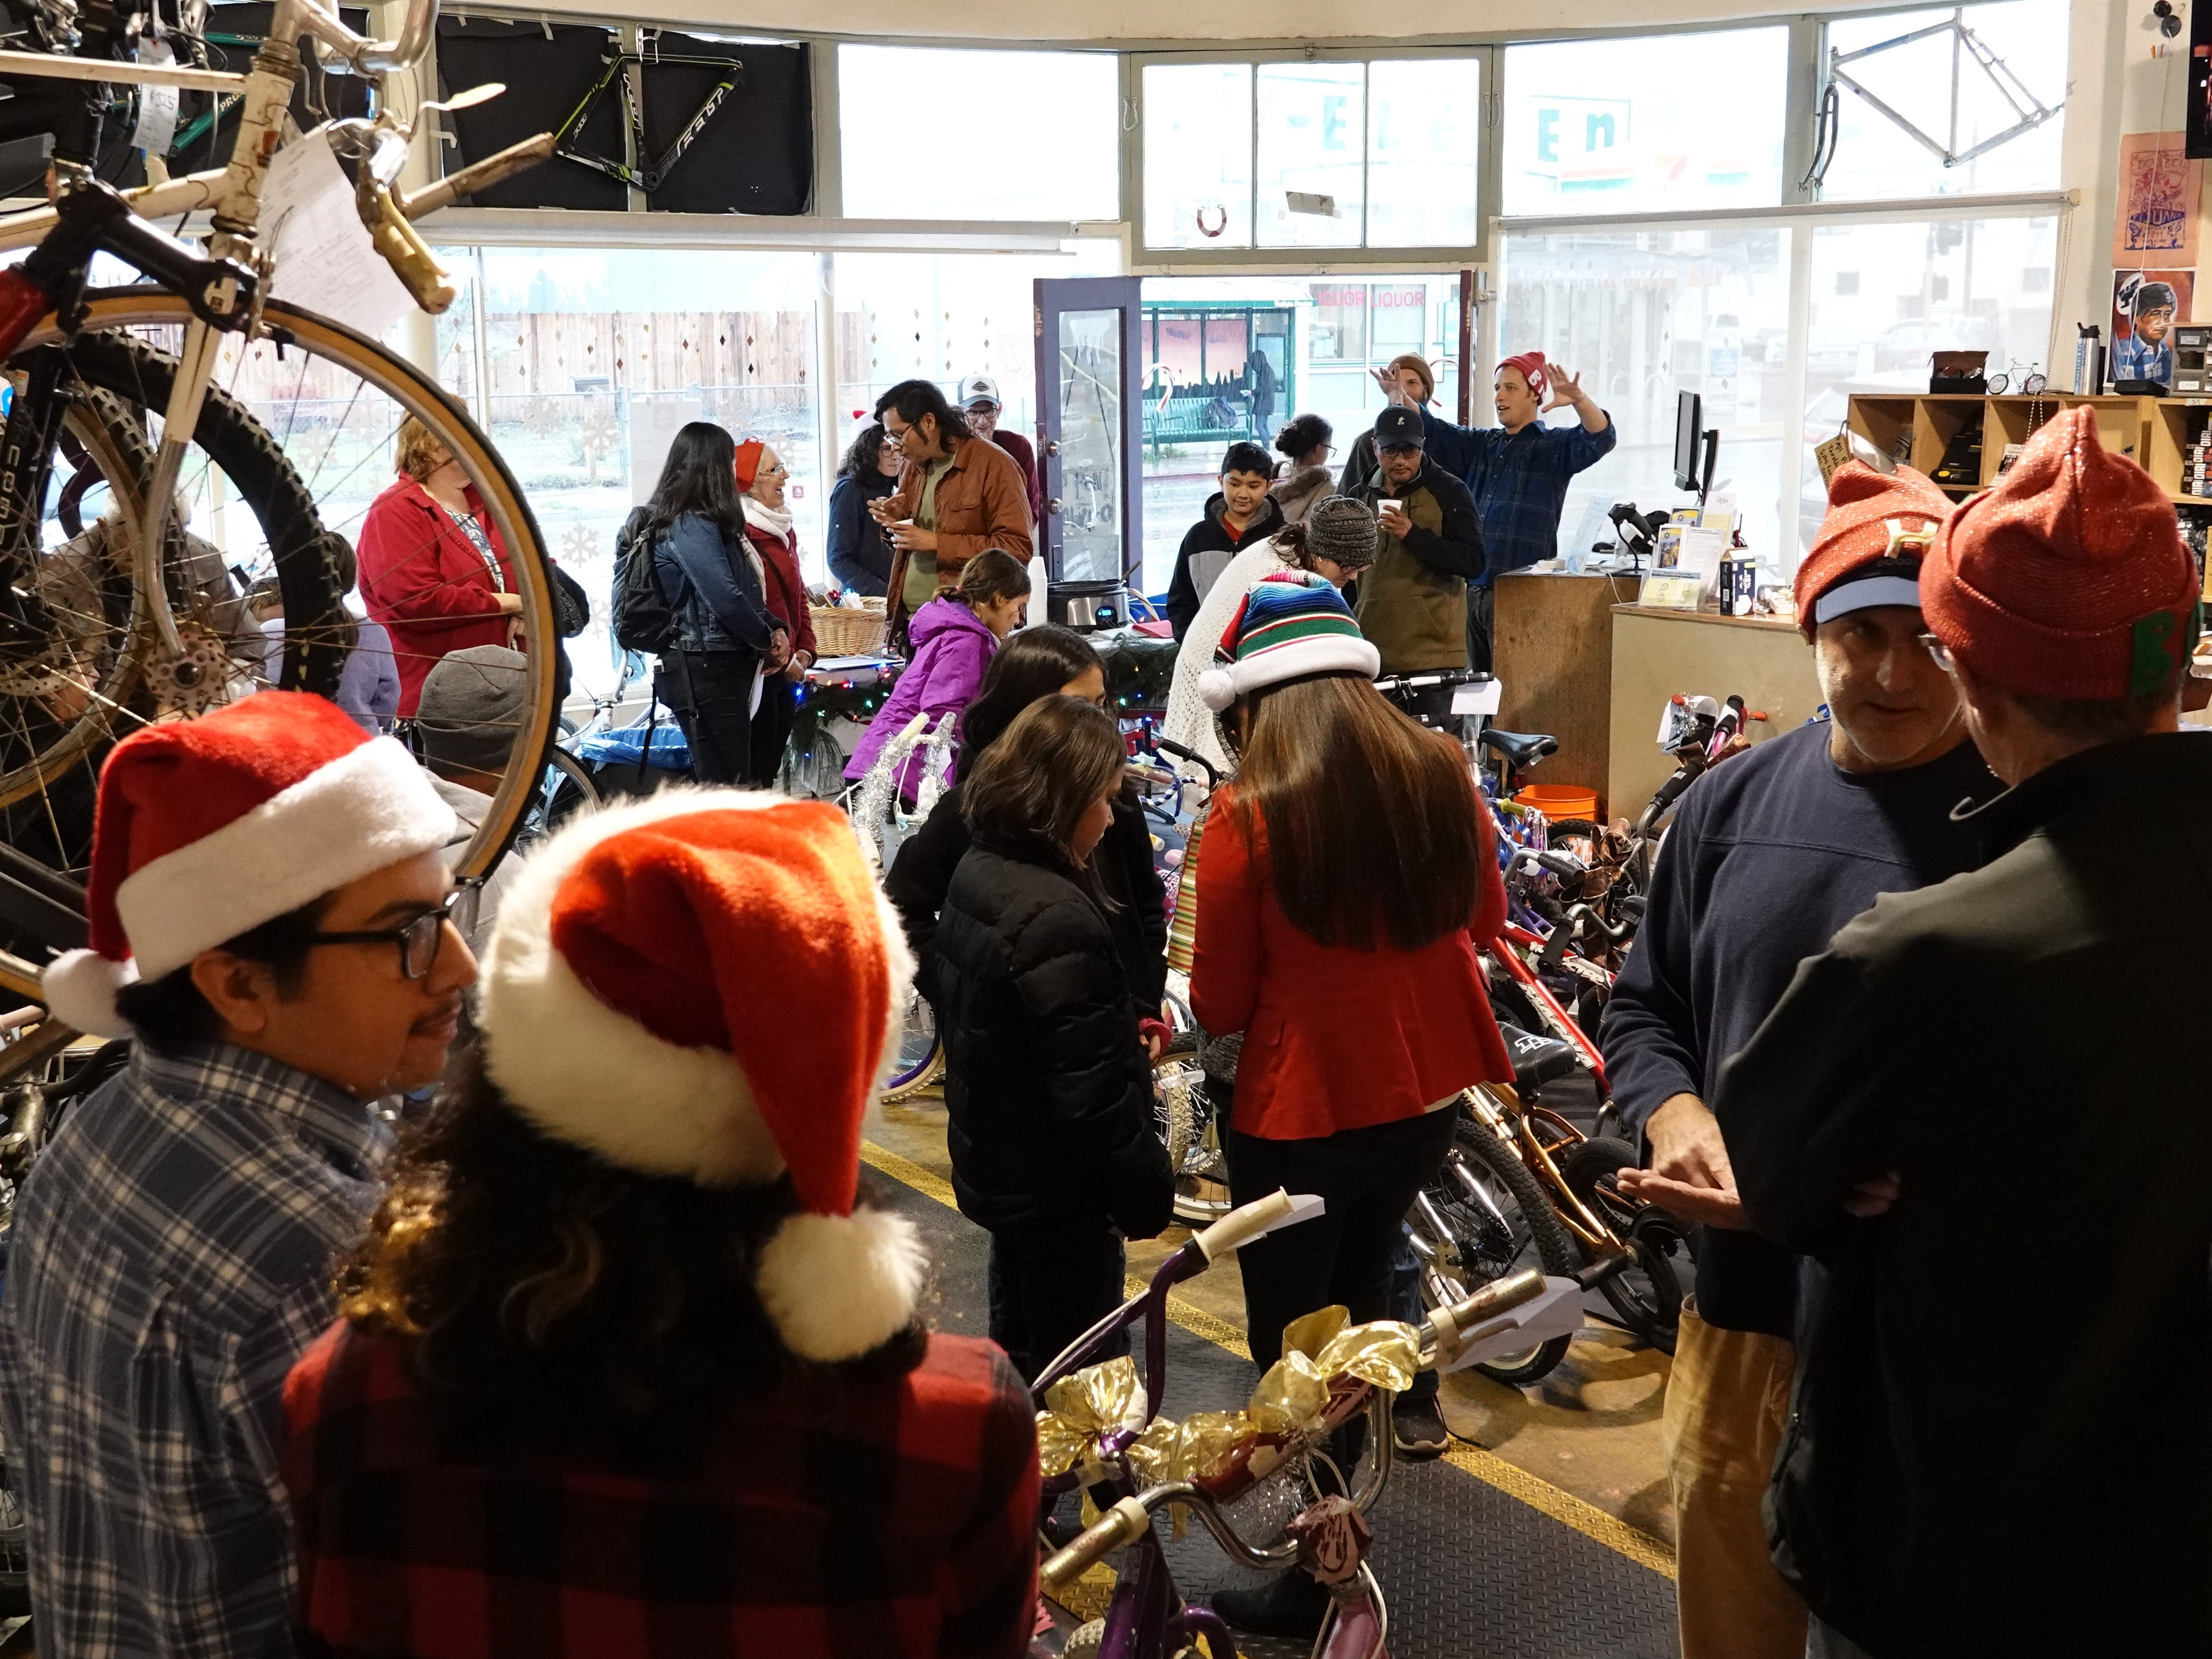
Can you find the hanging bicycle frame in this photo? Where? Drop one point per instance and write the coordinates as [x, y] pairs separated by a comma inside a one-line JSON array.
[[615, 72]]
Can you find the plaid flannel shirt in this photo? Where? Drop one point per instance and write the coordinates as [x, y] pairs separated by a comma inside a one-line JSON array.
[[171, 1259], [1519, 481], [884, 1520]]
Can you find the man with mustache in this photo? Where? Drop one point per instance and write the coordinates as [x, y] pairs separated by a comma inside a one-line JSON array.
[[269, 919]]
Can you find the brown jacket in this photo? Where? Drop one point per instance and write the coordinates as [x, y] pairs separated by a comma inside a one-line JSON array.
[[982, 501]]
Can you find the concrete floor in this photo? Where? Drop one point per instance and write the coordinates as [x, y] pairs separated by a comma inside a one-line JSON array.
[[1591, 1428]]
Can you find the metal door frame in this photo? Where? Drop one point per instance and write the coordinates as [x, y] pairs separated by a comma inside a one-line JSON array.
[[1055, 296]]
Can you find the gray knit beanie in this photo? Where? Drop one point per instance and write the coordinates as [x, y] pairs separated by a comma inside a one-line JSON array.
[[471, 706], [1343, 530]]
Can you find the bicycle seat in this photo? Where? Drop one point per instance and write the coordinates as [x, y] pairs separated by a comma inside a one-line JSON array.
[[1520, 749], [1536, 1060]]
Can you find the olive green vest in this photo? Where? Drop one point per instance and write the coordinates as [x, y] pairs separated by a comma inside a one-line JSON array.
[[1414, 616]]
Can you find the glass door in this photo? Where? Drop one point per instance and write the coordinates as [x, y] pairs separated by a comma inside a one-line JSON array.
[[1091, 427]]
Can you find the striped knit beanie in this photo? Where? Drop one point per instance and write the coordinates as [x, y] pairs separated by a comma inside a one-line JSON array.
[[1292, 625]]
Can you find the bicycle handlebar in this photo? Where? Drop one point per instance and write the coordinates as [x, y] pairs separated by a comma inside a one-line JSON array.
[[1170, 746], [1444, 1334]]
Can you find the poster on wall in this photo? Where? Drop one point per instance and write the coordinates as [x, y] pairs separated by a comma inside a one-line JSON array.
[[2158, 186], [2146, 305]]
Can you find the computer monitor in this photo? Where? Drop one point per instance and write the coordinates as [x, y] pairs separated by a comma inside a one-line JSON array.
[[1689, 431]]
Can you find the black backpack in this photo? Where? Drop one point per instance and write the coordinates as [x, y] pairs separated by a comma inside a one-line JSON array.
[[643, 619]]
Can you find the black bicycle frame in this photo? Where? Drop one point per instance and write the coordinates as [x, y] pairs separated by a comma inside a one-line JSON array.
[[650, 178]]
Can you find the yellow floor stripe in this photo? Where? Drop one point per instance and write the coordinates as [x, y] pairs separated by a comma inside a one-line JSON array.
[[1486, 1467]]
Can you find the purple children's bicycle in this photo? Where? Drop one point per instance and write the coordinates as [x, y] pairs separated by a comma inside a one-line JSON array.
[[1099, 1427]]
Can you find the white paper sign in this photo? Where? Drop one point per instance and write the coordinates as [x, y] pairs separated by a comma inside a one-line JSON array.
[[1480, 698], [325, 262]]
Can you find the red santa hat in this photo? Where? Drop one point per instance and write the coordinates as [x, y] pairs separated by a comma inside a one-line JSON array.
[[708, 985], [207, 827]]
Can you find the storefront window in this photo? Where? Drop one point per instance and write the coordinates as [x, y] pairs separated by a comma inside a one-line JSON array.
[[1313, 125], [1642, 315], [593, 358], [1425, 122], [1876, 158], [1347, 154], [1663, 122], [1234, 358], [933, 133], [1198, 155]]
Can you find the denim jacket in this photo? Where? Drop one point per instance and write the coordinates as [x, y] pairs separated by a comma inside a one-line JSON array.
[[712, 588]]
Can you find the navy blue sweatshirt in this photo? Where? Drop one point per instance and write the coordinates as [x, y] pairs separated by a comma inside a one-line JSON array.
[[1770, 854]]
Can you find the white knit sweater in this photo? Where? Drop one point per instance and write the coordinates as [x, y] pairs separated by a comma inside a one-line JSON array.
[[1189, 722]]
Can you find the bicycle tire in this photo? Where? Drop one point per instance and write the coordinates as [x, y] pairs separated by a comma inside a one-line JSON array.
[[1650, 1303], [920, 1060], [232, 438], [1542, 1233]]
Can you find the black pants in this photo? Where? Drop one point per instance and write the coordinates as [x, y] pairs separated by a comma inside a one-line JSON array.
[[1480, 617], [1050, 1282], [711, 694], [1368, 1178], [772, 730]]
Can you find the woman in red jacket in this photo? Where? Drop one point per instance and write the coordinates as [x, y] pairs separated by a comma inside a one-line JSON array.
[[434, 570], [1346, 879], [762, 475]]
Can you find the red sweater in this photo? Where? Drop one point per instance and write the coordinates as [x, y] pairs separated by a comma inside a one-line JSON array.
[[422, 578], [787, 588], [1334, 1038]]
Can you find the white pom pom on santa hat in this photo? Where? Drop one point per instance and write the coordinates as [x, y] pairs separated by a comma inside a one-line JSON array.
[[708, 985], [206, 829]]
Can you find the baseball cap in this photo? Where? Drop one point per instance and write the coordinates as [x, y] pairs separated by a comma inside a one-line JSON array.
[[1396, 427], [980, 389]]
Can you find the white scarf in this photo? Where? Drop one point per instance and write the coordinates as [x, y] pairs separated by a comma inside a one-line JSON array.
[[776, 520]]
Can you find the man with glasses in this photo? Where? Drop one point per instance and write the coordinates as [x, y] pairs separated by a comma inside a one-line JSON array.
[[980, 406], [1767, 857], [1413, 605], [959, 494], [269, 919], [1984, 1106]]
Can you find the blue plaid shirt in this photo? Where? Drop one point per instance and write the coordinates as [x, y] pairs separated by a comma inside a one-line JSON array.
[[171, 1259], [1518, 480]]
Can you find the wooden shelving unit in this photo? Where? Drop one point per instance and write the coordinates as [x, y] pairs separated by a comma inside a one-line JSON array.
[[1918, 428]]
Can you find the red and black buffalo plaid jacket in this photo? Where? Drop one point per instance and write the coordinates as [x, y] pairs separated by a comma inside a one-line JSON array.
[[896, 1520]]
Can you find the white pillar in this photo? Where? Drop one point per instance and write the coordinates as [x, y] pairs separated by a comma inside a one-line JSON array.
[[2114, 86]]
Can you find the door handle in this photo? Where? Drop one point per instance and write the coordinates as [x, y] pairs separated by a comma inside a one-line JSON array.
[[1052, 446], [1053, 506]]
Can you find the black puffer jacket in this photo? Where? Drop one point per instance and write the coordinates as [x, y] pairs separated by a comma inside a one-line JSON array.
[[921, 875], [1049, 1095]]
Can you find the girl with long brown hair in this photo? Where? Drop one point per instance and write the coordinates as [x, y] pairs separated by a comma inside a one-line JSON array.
[[1346, 879]]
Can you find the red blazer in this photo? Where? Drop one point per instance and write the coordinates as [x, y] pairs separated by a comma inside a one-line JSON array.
[[422, 578], [1334, 1038], [787, 588]]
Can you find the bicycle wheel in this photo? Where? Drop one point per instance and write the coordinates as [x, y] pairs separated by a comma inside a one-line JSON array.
[[1190, 1127], [565, 789], [921, 1059], [1648, 1296], [293, 444], [1485, 1216]]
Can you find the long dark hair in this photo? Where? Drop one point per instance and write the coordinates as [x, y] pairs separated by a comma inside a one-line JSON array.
[[1372, 826], [866, 450], [991, 576], [699, 475], [1034, 663], [1034, 784], [545, 1300]]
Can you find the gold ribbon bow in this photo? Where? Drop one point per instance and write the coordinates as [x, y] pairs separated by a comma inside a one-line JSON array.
[[1079, 1409]]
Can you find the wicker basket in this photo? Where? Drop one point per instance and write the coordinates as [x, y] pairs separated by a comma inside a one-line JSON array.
[[839, 632]]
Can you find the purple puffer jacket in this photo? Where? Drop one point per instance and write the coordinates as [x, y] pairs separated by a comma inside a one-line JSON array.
[[952, 649]]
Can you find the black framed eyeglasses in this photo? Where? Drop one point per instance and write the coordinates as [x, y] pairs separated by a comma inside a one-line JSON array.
[[419, 941]]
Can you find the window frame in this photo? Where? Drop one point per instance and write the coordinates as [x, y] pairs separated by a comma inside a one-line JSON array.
[[1256, 261]]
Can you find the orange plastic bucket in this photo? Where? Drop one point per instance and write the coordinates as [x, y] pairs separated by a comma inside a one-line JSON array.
[[1558, 800]]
